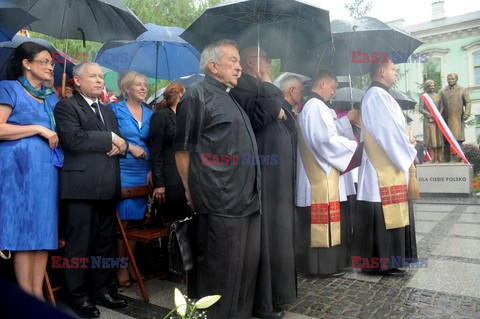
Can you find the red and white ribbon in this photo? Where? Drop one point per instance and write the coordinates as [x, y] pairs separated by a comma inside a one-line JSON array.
[[454, 146]]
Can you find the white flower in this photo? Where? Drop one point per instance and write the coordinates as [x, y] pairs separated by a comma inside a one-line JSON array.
[[207, 301], [180, 303]]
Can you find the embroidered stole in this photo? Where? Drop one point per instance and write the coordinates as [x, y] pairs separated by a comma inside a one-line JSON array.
[[393, 184], [325, 200]]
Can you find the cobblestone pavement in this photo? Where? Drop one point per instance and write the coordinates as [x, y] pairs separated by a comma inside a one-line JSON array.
[[448, 234]]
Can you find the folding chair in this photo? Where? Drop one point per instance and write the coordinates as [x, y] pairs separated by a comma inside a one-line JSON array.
[[143, 233]]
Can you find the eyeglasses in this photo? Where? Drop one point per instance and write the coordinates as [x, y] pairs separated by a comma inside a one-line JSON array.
[[262, 56], [45, 62]]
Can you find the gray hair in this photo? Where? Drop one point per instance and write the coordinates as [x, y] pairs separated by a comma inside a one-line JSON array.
[[427, 84], [212, 52], [78, 69], [288, 82]]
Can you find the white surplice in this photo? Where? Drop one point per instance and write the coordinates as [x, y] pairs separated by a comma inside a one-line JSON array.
[[384, 120], [324, 135]]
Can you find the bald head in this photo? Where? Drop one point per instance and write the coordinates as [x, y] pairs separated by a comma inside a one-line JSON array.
[[255, 60]]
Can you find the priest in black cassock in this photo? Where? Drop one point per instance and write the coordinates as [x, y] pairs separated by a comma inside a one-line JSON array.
[[275, 131], [212, 133]]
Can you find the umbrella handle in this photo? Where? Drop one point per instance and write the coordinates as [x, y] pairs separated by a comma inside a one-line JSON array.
[[64, 81]]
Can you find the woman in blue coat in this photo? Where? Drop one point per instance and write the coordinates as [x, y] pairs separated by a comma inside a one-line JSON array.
[[134, 124]]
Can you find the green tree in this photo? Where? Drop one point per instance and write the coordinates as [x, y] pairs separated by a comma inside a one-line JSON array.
[[431, 71], [358, 8]]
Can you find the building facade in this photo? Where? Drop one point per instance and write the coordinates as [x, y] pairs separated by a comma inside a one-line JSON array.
[[452, 45]]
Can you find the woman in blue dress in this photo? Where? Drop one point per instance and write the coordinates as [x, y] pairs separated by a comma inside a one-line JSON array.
[[134, 124], [30, 156]]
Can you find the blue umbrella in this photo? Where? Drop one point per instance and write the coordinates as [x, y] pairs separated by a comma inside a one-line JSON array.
[[7, 48], [158, 53], [13, 19]]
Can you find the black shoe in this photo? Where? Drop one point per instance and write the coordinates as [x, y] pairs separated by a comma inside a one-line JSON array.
[[395, 272], [276, 314], [86, 310], [110, 301]]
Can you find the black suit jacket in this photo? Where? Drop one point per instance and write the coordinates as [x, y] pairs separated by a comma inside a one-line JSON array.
[[87, 173]]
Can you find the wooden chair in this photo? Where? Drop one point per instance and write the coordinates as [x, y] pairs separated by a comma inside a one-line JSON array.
[[144, 233], [47, 283]]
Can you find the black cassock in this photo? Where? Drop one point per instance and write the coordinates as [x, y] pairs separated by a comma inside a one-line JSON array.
[[276, 140]]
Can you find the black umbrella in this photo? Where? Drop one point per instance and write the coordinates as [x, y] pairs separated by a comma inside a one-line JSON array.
[[355, 45], [404, 100], [13, 19], [343, 95], [92, 20], [281, 27], [7, 48]]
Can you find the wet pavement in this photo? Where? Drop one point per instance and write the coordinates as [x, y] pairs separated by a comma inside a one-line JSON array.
[[448, 236]]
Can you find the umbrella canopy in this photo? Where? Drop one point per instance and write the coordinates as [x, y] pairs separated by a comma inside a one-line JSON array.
[[7, 48], [281, 27], [403, 99], [93, 20], [282, 76], [355, 45], [343, 95], [186, 81], [13, 19], [158, 53]]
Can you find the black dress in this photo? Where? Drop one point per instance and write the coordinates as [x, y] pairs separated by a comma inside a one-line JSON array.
[[164, 169]]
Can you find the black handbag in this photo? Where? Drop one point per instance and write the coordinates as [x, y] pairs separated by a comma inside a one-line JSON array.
[[182, 245]]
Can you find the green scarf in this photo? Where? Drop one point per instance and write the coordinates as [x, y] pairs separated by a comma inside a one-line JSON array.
[[56, 157]]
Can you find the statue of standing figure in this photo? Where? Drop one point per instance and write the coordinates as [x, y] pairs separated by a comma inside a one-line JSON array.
[[432, 135], [457, 107]]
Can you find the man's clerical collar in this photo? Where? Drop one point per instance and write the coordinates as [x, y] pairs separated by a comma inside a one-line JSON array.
[[313, 95], [217, 83], [380, 85]]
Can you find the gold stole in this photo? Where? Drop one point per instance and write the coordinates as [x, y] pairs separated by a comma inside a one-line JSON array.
[[393, 184], [325, 203]]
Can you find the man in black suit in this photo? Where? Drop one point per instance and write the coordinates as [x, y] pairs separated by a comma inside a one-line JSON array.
[[89, 187]]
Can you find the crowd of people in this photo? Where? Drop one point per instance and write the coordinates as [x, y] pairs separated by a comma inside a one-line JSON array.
[[295, 189]]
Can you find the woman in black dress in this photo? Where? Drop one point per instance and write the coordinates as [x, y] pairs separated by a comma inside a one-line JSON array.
[[168, 194]]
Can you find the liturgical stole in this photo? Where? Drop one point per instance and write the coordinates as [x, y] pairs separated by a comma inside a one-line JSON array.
[[393, 184], [325, 200]]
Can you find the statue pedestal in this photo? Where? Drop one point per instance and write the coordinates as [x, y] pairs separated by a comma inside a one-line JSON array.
[[445, 179]]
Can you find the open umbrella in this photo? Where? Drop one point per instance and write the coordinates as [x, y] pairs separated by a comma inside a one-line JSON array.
[[186, 81], [355, 45], [403, 99], [7, 48], [13, 19], [281, 27], [92, 20], [159, 52], [343, 95]]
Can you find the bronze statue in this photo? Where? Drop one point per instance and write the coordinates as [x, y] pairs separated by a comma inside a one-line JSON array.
[[432, 135], [456, 107]]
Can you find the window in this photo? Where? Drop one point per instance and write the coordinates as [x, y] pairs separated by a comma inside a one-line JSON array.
[[476, 67], [472, 51]]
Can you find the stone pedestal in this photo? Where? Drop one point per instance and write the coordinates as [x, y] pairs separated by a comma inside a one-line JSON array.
[[445, 178]]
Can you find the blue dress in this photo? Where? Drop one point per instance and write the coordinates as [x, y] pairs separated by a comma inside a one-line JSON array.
[[133, 171], [29, 191]]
